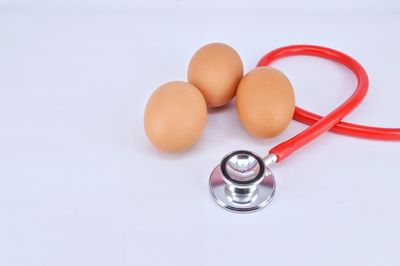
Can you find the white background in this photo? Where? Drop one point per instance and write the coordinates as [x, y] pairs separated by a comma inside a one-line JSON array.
[[81, 185]]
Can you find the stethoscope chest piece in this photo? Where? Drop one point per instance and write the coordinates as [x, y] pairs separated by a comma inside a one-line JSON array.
[[242, 182]]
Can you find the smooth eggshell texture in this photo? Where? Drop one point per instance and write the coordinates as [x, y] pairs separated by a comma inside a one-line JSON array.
[[175, 116], [265, 102], [216, 70]]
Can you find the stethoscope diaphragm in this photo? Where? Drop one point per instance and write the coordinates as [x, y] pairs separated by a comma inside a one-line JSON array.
[[242, 182]]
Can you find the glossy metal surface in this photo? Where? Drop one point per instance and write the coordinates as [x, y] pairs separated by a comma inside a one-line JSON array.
[[242, 182]]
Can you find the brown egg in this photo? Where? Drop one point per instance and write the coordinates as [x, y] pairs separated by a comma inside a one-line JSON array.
[[216, 69], [175, 116], [265, 102]]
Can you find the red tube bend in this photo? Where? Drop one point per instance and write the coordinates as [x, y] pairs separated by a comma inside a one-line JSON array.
[[331, 121]]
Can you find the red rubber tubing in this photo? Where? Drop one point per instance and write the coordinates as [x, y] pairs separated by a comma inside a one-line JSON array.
[[331, 121]]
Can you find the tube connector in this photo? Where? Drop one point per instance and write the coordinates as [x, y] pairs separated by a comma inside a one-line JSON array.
[[270, 159]]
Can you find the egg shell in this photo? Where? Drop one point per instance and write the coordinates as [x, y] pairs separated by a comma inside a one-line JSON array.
[[265, 102], [175, 116], [216, 70]]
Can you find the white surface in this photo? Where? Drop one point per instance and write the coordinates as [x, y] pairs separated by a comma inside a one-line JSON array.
[[81, 185]]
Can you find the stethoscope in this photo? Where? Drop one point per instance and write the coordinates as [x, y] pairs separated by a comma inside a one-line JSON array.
[[243, 182]]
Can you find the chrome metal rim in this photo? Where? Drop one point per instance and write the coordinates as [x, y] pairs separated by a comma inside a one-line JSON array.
[[238, 196]]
